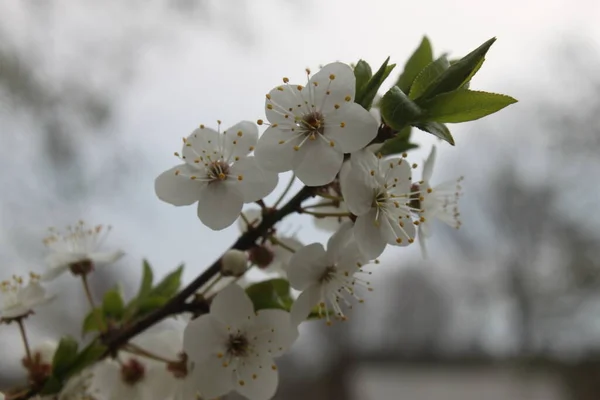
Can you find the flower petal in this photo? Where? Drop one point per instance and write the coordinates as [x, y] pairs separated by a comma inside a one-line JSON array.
[[428, 165], [232, 307], [304, 304], [203, 338], [255, 183], [281, 101], [317, 163], [275, 149], [368, 235], [396, 231], [219, 205], [203, 142], [351, 126], [177, 188], [257, 378], [211, 378], [357, 188], [274, 331], [333, 85], [106, 258], [305, 266], [240, 139], [339, 241], [32, 294]]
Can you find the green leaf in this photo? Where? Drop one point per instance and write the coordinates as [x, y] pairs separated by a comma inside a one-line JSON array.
[[398, 110], [65, 354], [92, 320], [421, 57], [398, 144], [370, 91], [274, 293], [149, 304], [112, 305], [52, 386], [458, 73], [88, 356], [465, 105], [169, 286], [438, 129], [427, 76], [362, 73], [147, 279]]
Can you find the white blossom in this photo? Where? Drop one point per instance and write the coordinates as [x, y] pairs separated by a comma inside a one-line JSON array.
[[270, 256], [234, 263], [327, 278], [18, 299], [217, 173], [378, 192], [440, 201], [312, 127], [138, 377], [78, 249], [232, 348]]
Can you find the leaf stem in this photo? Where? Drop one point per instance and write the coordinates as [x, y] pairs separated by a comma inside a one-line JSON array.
[[25, 341]]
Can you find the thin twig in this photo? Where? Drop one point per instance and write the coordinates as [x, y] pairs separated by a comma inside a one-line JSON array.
[[285, 191], [25, 341]]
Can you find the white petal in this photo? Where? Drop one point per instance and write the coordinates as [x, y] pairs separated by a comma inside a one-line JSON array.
[[368, 235], [54, 272], [257, 378], [331, 224], [240, 139], [351, 126], [275, 150], [317, 163], [282, 256], [306, 265], [32, 294], [203, 142], [327, 92], [279, 102], [158, 383], [232, 307], [350, 258], [212, 379], [357, 188], [256, 183], [422, 243], [16, 310], [275, 332], [64, 259], [428, 165], [177, 188], [219, 205], [106, 258], [304, 304], [397, 174], [394, 233], [338, 242]]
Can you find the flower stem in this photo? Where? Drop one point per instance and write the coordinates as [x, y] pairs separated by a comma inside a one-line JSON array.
[[329, 214], [88, 294], [330, 197], [278, 242], [285, 191], [24, 337], [211, 285], [319, 205], [137, 350]]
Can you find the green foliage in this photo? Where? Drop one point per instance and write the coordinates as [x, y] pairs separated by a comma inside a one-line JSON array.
[[464, 105], [427, 76], [362, 73], [94, 321], [367, 94], [65, 355], [113, 306], [398, 144], [437, 129], [421, 57], [398, 110], [274, 293], [147, 280], [457, 74], [169, 286]]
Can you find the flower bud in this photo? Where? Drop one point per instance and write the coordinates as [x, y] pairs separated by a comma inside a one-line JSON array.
[[262, 256], [234, 263]]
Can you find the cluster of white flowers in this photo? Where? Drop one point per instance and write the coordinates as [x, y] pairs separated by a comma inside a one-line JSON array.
[[369, 201]]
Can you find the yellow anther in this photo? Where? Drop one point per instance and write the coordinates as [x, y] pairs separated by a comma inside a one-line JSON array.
[[241, 382], [250, 149], [411, 240], [316, 84], [299, 87], [296, 148], [281, 142], [222, 176], [254, 376], [260, 122], [336, 106], [240, 177], [342, 124], [307, 71], [285, 80], [332, 76], [348, 98], [332, 144], [414, 165], [193, 177], [235, 142], [176, 154], [270, 106], [399, 240], [280, 88], [372, 173], [177, 172], [429, 190], [240, 133], [201, 126]]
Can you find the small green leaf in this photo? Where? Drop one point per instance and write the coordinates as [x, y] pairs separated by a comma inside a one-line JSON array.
[[274, 293], [370, 90], [421, 57], [398, 144], [147, 279], [458, 73], [362, 73], [437, 129], [65, 354], [427, 76], [149, 304], [88, 356], [52, 386], [398, 110], [464, 105], [112, 305], [169, 286], [92, 320]]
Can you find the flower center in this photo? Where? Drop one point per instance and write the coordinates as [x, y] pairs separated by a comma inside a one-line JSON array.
[[238, 345], [81, 267], [132, 372], [415, 197], [217, 171], [313, 124], [328, 274]]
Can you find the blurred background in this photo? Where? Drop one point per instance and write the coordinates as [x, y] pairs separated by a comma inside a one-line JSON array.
[[94, 100]]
